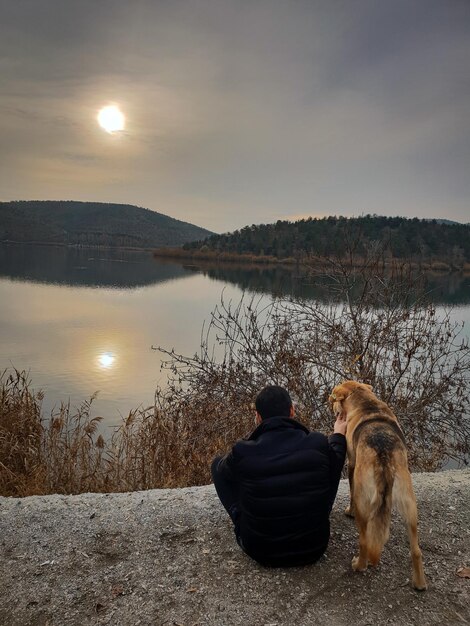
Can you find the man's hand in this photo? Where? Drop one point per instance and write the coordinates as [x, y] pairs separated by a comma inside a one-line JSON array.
[[340, 424]]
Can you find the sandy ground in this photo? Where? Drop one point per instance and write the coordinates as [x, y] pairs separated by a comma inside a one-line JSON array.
[[169, 557]]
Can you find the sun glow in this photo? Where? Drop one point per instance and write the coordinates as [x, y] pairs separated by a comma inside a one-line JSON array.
[[106, 360], [111, 119]]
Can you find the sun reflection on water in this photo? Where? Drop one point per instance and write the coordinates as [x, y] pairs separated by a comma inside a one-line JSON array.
[[106, 360]]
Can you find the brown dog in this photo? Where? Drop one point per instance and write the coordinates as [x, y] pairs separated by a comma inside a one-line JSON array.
[[378, 474]]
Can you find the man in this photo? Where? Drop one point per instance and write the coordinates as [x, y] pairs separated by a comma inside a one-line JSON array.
[[279, 484]]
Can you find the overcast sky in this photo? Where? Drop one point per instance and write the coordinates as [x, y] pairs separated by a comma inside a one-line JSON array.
[[239, 111]]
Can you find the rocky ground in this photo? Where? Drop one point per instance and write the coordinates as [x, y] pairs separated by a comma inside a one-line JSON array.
[[169, 557]]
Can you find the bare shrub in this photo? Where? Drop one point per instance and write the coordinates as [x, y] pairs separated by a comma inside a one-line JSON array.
[[379, 327]]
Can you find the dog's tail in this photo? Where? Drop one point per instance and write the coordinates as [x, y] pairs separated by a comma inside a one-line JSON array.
[[378, 526]]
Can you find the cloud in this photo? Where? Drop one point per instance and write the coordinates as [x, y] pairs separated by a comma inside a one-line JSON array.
[[240, 112]]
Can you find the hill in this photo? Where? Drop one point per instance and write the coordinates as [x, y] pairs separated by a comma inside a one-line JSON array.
[[92, 223], [400, 237]]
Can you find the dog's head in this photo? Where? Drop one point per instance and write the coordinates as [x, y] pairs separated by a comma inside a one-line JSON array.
[[342, 392]]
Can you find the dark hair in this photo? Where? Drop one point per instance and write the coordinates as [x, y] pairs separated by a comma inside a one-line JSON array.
[[273, 401]]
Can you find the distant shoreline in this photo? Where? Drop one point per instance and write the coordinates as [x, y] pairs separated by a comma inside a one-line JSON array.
[[179, 254], [306, 262]]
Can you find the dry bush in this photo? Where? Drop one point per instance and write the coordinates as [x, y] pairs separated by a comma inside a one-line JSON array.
[[379, 327]]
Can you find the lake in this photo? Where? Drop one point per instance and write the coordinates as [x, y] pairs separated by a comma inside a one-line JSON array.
[[85, 320]]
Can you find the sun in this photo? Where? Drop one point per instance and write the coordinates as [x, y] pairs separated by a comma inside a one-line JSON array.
[[111, 119]]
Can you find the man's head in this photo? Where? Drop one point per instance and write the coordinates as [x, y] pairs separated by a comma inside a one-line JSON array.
[[273, 401]]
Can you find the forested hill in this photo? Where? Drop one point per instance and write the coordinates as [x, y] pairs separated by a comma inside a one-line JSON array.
[[398, 236], [92, 223]]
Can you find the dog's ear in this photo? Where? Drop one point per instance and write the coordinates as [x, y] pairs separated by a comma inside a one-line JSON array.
[[368, 387], [338, 394]]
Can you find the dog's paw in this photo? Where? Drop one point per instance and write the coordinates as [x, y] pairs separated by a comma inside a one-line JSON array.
[[357, 565], [419, 585], [349, 511]]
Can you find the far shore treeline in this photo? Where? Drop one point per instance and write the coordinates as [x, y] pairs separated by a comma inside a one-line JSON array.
[[445, 245], [442, 244]]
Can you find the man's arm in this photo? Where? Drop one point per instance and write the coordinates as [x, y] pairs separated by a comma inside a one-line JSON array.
[[337, 445], [337, 448], [225, 466]]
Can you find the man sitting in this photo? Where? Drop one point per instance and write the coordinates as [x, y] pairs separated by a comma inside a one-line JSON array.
[[279, 484]]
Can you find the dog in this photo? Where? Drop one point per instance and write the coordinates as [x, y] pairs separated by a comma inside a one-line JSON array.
[[378, 475]]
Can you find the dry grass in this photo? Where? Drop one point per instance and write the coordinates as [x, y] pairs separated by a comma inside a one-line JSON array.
[[21, 468], [222, 257], [65, 452]]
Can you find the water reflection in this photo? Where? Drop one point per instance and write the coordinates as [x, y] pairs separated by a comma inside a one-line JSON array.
[[127, 269], [84, 320], [106, 360], [86, 267], [451, 289], [76, 340]]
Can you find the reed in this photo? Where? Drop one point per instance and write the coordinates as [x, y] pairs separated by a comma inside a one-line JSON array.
[[169, 444]]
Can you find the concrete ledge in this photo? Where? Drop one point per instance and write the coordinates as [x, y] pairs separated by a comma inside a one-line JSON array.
[[169, 557]]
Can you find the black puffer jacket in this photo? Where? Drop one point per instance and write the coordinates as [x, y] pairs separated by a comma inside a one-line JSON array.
[[287, 478]]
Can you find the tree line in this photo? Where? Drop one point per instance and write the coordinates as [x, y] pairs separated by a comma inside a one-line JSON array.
[[398, 237]]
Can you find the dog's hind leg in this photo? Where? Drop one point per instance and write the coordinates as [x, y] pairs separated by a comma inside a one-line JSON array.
[[406, 502], [359, 563], [364, 494], [349, 511]]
